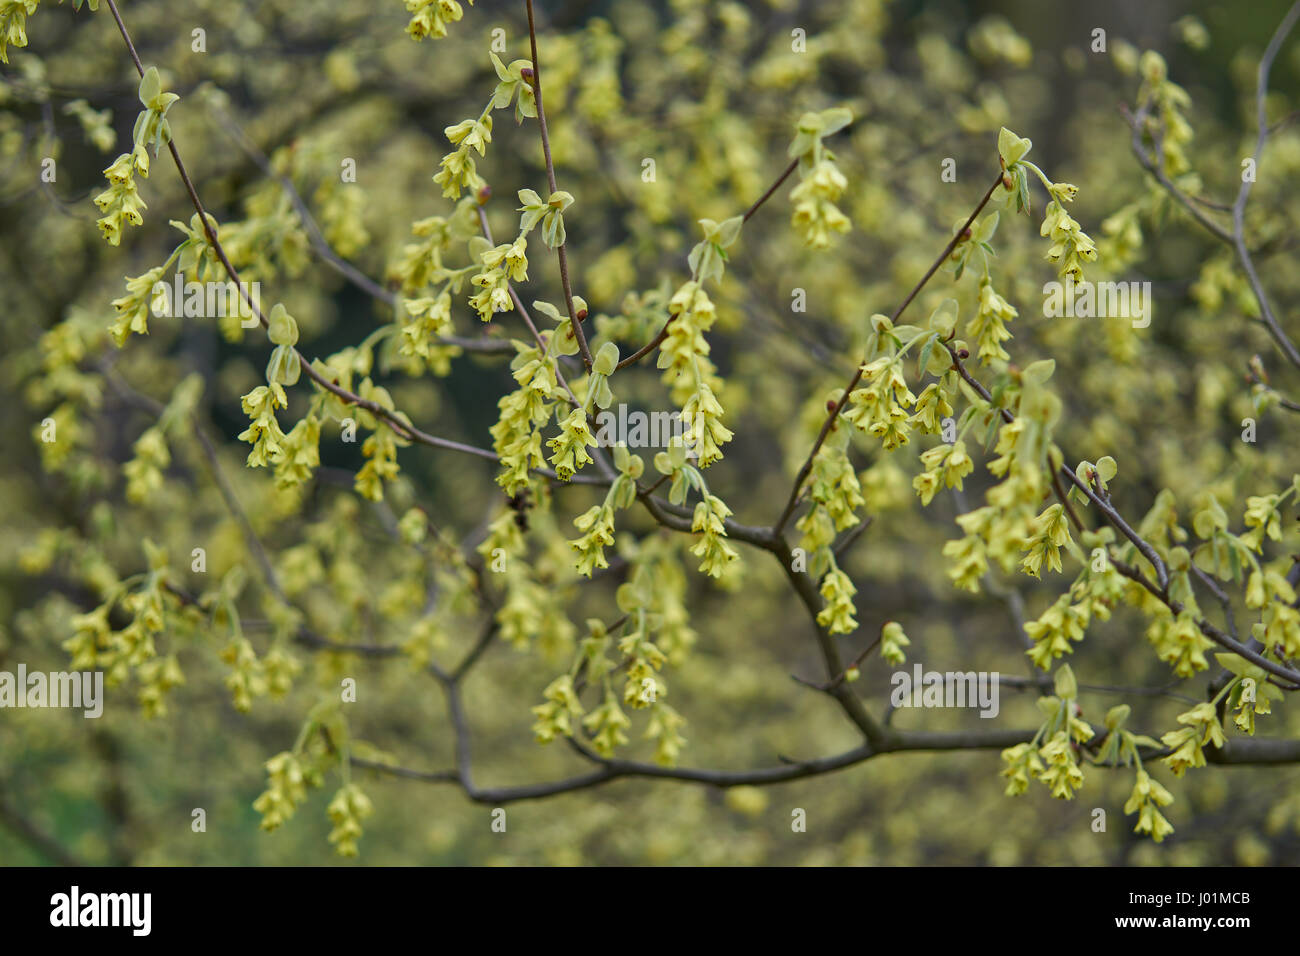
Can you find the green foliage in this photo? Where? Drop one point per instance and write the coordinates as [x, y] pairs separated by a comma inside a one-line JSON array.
[[335, 603]]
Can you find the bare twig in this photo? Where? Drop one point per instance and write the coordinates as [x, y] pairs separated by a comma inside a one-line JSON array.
[[561, 252]]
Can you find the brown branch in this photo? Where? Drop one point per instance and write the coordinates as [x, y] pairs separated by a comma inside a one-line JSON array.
[[394, 420], [1239, 207], [1160, 591], [561, 253], [806, 469]]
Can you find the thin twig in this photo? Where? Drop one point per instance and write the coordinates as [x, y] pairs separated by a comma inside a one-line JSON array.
[[574, 321]]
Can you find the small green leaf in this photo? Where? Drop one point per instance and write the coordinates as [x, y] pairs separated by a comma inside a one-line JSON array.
[[606, 359], [282, 329], [1037, 373], [944, 319], [1066, 685], [1012, 148], [150, 86]]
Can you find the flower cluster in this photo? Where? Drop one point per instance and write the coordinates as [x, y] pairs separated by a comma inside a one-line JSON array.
[[988, 326], [429, 18], [121, 202], [516, 436], [501, 265], [286, 788], [1168, 100], [1055, 630], [264, 432], [834, 489], [430, 322], [1179, 642], [880, 406], [570, 446], [13, 23], [709, 522], [684, 358], [607, 725], [816, 217], [1071, 246], [1200, 727], [837, 613], [1056, 762], [946, 466], [143, 473], [1051, 532], [1146, 800], [247, 677], [457, 170], [555, 717], [348, 808], [892, 642], [133, 308], [597, 522]]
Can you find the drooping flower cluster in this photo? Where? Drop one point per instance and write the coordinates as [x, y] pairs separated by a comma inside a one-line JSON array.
[[945, 466], [1200, 727], [1167, 101], [816, 217], [429, 18], [684, 358], [711, 548], [880, 405], [13, 23], [988, 326], [121, 202], [1056, 762], [264, 433], [133, 309], [1071, 246], [348, 808], [502, 265]]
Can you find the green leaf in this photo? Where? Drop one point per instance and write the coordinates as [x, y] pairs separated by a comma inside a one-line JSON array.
[[924, 362], [944, 319], [1012, 148], [150, 86], [992, 434], [835, 119], [1066, 685], [606, 359], [1237, 665], [729, 230], [1037, 373], [282, 329], [548, 310], [1234, 559]]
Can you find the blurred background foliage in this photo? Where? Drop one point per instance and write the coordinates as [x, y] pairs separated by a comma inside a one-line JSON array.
[[711, 92]]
